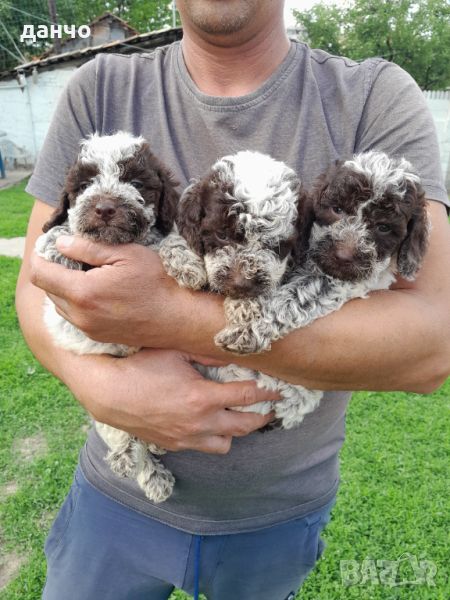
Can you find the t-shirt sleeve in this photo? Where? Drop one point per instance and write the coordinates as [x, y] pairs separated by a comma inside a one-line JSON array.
[[73, 120], [396, 120]]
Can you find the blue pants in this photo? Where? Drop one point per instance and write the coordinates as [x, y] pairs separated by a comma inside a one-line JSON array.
[[98, 549]]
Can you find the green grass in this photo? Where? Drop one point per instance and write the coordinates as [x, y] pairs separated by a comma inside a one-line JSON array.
[[393, 497], [31, 402], [15, 206]]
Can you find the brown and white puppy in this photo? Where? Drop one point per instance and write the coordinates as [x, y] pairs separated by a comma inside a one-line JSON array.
[[238, 225], [365, 211], [239, 230], [366, 223], [117, 192]]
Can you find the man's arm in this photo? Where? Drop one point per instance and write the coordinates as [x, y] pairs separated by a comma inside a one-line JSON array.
[[155, 394], [395, 340]]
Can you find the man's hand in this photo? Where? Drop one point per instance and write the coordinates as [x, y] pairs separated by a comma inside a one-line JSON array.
[[158, 396], [128, 299]]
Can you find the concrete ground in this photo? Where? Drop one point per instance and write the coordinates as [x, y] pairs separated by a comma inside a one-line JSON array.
[[13, 177], [12, 246]]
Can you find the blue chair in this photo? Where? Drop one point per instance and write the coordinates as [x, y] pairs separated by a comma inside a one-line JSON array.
[[2, 167]]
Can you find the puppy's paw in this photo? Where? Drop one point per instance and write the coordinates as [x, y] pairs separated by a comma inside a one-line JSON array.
[[240, 340], [154, 449], [181, 263], [192, 276], [159, 486], [242, 311], [121, 464], [46, 248]]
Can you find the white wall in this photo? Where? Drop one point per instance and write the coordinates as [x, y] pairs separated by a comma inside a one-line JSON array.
[[25, 113], [439, 104]]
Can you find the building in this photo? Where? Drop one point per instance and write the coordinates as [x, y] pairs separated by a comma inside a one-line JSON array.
[[29, 92]]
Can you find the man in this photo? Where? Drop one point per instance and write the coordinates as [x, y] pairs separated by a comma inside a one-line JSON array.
[[248, 508]]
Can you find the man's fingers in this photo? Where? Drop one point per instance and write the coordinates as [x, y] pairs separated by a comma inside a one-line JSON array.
[[239, 424], [62, 307], [207, 361], [212, 444], [53, 278], [241, 393], [84, 250], [215, 444]]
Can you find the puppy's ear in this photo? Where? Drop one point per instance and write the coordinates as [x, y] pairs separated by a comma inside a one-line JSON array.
[[305, 219], [414, 246], [168, 203], [168, 200], [190, 215], [323, 181], [59, 216]]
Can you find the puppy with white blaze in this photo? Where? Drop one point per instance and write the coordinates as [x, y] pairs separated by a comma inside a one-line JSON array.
[[117, 192], [238, 232], [365, 223]]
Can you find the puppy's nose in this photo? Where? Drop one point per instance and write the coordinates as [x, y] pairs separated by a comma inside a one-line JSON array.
[[345, 253], [105, 209], [242, 286]]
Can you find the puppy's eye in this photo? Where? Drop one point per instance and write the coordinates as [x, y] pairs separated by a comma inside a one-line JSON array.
[[137, 184], [221, 236], [83, 186], [337, 210], [384, 228]]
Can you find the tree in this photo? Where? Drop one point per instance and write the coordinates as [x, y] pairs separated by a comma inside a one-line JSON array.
[[413, 34]]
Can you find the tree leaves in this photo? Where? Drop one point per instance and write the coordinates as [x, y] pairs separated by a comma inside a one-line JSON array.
[[413, 34]]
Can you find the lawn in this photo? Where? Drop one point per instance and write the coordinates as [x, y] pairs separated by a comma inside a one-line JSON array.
[[15, 206], [392, 505]]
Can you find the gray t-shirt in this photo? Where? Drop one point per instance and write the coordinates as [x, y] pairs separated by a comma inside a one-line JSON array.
[[314, 109]]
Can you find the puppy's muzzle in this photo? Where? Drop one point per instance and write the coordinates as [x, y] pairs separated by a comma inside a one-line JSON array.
[[240, 272], [344, 249], [110, 218]]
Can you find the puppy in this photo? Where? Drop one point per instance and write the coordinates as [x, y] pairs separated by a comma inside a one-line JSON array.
[[117, 192], [365, 223], [238, 229]]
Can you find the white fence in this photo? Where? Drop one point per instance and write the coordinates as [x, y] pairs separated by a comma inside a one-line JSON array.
[[439, 105], [26, 110], [437, 95]]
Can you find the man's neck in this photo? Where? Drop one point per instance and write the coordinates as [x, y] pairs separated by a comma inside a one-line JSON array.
[[221, 69]]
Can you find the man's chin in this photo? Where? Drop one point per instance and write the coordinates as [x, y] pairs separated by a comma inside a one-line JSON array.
[[220, 17]]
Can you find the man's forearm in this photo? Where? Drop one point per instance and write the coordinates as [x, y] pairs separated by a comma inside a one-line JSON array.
[[387, 342], [155, 395], [398, 339], [68, 367], [394, 340]]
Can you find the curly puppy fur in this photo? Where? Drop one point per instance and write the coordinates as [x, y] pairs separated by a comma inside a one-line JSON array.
[[239, 230], [367, 222], [117, 192], [240, 223]]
